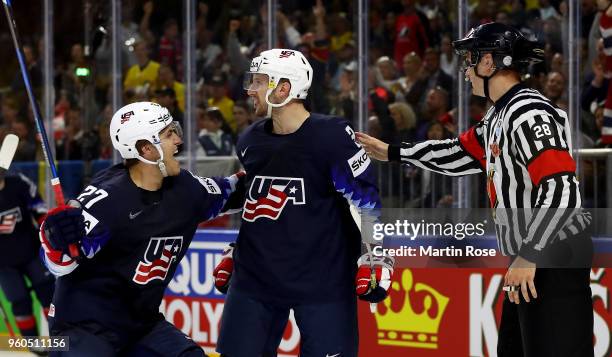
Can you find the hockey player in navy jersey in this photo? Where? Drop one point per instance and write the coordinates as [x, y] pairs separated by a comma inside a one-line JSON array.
[[21, 208], [133, 225], [298, 246]]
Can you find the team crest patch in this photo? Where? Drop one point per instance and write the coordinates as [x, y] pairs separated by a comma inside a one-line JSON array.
[[286, 54], [159, 256], [269, 195], [9, 220], [126, 116]]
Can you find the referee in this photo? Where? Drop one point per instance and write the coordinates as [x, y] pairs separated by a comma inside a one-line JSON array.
[[524, 146]]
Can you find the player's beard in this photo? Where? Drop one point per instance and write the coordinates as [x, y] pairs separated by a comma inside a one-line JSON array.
[[173, 167], [261, 107]]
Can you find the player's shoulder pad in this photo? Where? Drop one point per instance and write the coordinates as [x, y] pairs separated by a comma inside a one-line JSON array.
[[110, 176], [332, 127], [100, 199], [22, 180]]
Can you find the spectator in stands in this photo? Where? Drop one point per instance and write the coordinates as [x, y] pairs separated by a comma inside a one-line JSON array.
[[104, 147], [341, 33], [598, 113], [557, 64], [547, 10], [206, 50], [348, 94], [144, 72], [555, 87], [243, 116], [171, 48], [33, 70], [219, 99], [70, 147], [596, 84], [9, 111], [435, 76], [413, 82], [213, 139], [436, 109], [384, 33], [405, 122], [342, 58], [374, 129], [503, 18], [166, 79], [477, 109], [167, 98], [410, 33], [448, 59], [71, 82], [26, 149], [387, 75]]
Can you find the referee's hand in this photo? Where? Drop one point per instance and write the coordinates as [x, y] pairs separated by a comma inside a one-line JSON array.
[[375, 148], [520, 275]]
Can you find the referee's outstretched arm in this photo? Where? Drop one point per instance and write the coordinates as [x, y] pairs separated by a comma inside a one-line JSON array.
[[460, 156]]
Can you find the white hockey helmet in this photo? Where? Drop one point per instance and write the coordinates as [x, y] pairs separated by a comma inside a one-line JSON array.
[[140, 121], [279, 63]]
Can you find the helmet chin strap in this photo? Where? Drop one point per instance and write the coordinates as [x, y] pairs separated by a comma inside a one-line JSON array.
[[275, 105], [485, 79], [160, 162]]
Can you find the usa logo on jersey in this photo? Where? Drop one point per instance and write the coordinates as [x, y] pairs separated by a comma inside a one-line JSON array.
[[158, 257], [268, 196], [9, 219]]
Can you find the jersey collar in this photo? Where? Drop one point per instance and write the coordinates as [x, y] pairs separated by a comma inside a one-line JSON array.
[[501, 102]]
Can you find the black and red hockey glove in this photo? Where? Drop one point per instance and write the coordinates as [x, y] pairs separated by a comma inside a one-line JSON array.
[[373, 277], [63, 226], [223, 271]]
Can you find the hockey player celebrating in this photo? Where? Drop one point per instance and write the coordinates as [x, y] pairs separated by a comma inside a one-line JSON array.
[[298, 244], [21, 208], [524, 145], [133, 225]]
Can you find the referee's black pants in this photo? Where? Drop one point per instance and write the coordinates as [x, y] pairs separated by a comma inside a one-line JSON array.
[[559, 323]]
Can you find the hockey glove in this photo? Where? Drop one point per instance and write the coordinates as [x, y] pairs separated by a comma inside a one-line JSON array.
[[223, 271], [64, 226], [373, 277]]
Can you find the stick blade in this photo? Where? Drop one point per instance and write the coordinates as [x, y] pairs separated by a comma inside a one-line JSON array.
[[8, 149]]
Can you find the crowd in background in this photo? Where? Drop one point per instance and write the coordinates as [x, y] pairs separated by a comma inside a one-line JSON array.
[[412, 78]]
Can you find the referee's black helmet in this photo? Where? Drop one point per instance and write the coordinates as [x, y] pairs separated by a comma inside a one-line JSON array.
[[509, 48]]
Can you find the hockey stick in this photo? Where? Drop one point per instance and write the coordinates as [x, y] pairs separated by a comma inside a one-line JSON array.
[[7, 151], [55, 181], [7, 322]]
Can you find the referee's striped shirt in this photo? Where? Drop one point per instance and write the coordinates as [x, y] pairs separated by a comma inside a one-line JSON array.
[[523, 144]]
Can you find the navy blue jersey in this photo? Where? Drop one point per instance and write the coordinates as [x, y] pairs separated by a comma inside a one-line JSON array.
[[298, 241], [20, 209], [135, 240]]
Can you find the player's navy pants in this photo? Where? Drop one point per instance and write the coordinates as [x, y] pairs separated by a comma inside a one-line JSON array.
[[164, 340], [253, 328], [12, 282]]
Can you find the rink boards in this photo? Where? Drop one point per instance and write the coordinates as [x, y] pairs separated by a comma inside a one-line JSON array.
[[430, 312]]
